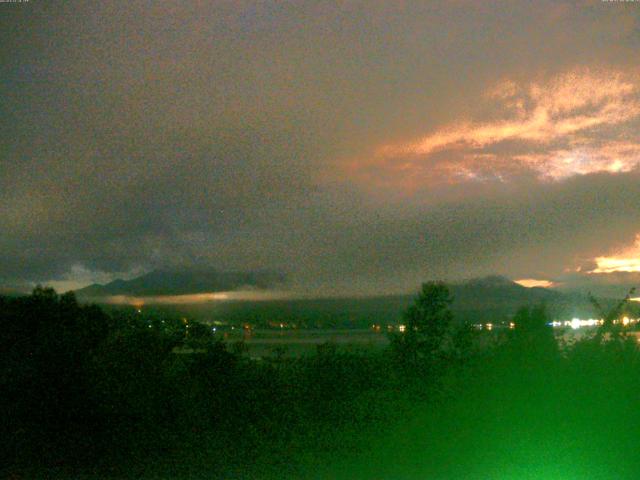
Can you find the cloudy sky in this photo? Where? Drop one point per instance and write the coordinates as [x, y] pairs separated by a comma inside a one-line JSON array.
[[358, 146]]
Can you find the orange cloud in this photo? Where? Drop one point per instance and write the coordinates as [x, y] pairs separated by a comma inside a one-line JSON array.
[[553, 129], [627, 260], [531, 282], [613, 157]]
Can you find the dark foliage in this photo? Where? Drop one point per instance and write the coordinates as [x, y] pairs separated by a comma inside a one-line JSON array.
[[123, 395], [427, 324]]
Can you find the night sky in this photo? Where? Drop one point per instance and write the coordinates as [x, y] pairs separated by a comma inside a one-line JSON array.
[[360, 147]]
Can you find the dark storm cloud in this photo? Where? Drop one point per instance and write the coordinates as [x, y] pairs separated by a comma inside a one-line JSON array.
[[144, 134]]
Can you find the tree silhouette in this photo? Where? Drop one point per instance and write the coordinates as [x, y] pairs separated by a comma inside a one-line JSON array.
[[532, 336], [608, 316], [427, 322]]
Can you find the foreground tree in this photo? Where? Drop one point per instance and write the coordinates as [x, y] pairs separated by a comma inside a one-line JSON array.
[[427, 324], [613, 314], [533, 337]]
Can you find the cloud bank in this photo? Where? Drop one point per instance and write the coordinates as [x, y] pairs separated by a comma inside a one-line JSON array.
[[359, 146]]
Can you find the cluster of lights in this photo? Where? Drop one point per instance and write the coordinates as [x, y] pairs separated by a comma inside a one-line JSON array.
[[390, 328], [488, 326], [477, 326], [576, 323]]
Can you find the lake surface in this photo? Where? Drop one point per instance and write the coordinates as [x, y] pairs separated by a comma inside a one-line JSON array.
[[261, 343]]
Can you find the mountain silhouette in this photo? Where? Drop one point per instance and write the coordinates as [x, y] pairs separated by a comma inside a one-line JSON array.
[[497, 297], [182, 282]]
